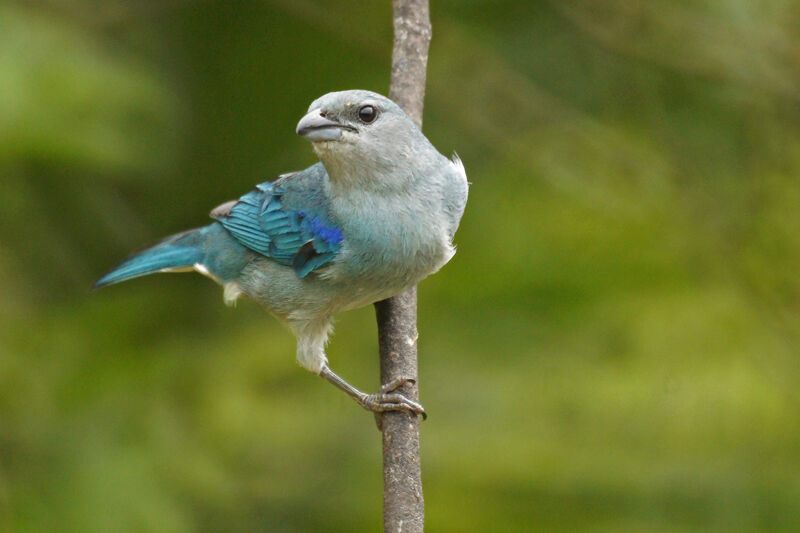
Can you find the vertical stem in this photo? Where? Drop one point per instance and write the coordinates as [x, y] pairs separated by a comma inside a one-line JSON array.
[[412, 37], [403, 503]]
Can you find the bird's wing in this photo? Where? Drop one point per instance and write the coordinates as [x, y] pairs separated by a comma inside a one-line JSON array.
[[300, 236]]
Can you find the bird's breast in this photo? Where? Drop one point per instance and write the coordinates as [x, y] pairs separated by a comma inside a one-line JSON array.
[[392, 245]]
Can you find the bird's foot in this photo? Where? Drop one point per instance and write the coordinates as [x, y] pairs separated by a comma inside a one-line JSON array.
[[390, 400]]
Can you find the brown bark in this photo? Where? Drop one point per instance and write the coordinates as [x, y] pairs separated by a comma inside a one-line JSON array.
[[403, 503]]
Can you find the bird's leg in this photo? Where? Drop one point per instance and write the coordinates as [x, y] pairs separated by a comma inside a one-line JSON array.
[[385, 400]]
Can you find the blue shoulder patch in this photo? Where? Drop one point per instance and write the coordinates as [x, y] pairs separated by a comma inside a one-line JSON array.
[[304, 239]]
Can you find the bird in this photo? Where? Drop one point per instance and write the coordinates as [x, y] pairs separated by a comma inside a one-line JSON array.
[[375, 216]]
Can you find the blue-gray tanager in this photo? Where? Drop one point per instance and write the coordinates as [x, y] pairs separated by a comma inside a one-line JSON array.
[[373, 218]]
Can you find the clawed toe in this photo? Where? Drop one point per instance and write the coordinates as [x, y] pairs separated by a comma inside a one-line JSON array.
[[396, 384], [383, 402]]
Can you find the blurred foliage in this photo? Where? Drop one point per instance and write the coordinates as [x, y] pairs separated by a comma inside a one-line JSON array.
[[614, 348]]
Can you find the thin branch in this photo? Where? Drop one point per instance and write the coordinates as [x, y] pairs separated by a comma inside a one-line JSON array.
[[412, 37], [403, 503]]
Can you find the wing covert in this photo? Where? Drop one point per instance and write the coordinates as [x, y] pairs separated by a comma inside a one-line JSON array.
[[304, 239]]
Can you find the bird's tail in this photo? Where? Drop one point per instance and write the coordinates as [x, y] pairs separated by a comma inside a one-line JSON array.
[[178, 252]]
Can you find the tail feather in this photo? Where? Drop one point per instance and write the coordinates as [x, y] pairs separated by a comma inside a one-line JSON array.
[[177, 252]]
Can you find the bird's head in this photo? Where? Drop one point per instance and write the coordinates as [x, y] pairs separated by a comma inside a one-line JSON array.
[[354, 130]]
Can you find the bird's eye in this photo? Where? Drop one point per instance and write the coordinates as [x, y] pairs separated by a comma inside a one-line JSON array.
[[367, 114]]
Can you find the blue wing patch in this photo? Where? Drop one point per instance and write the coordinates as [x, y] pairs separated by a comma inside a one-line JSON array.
[[302, 239]]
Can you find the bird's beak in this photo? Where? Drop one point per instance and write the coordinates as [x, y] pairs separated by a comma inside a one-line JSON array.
[[316, 128]]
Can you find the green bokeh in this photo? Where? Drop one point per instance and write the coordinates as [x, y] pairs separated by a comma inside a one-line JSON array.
[[615, 347]]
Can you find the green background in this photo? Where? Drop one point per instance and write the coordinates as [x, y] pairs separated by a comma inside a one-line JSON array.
[[613, 348]]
